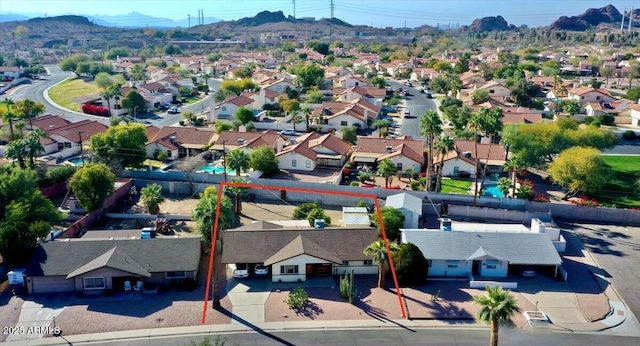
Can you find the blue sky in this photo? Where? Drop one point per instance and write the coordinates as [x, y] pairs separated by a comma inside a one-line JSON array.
[[378, 13]]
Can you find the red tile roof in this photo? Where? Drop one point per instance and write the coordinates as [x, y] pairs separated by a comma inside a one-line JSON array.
[[81, 130], [49, 121], [411, 148], [184, 136]]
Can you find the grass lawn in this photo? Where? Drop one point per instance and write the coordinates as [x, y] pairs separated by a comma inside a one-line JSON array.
[[65, 92], [455, 186], [620, 188]]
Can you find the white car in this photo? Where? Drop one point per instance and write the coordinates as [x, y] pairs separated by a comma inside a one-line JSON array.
[[288, 132], [261, 270], [241, 271]]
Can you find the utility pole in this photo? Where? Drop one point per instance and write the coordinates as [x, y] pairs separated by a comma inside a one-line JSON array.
[[294, 9], [332, 7], [189, 17]]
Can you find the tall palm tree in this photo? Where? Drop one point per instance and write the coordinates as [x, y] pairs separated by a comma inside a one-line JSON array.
[[491, 126], [238, 160], [9, 115], [33, 146], [476, 121], [444, 145], [512, 165], [151, 197], [378, 250], [237, 193], [387, 170], [307, 116], [110, 93], [17, 150], [496, 307], [205, 213], [431, 127], [28, 109]]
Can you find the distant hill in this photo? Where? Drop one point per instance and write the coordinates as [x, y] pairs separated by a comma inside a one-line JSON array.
[[490, 24], [263, 18], [131, 20], [10, 17], [590, 18]]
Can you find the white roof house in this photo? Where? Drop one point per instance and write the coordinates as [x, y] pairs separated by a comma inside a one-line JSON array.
[[410, 205], [355, 216]]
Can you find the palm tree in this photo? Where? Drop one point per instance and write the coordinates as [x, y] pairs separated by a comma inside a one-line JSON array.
[[9, 115], [307, 115], [387, 170], [110, 93], [476, 121], [33, 145], [238, 160], [28, 109], [151, 197], [378, 250], [205, 213], [17, 150], [237, 193], [491, 126], [512, 165], [504, 185], [431, 127], [444, 145], [496, 307]]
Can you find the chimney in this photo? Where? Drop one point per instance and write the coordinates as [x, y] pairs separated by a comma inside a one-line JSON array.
[[445, 224], [389, 149]]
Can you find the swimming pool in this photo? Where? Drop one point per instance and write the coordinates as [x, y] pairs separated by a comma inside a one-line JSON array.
[[78, 161], [213, 168], [492, 190]]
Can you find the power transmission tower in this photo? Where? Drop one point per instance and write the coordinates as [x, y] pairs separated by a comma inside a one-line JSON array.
[[630, 19], [189, 17], [332, 7], [622, 23], [294, 9]]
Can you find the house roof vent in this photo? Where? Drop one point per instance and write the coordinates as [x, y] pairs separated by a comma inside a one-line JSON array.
[[172, 139], [240, 140], [466, 153], [389, 149]]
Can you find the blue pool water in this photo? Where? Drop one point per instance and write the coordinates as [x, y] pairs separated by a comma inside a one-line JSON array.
[[78, 161], [211, 168], [492, 190]]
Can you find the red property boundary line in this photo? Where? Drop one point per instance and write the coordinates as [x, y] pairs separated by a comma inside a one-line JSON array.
[[214, 230]]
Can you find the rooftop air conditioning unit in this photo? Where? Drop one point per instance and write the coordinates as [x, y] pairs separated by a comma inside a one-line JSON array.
[[240, 140], [172, 139], [389, 149], [466, 154]]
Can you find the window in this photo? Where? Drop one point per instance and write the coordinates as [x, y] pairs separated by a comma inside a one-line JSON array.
[[176, 275], [223, 108], [399, 166], [67, 145], [168, 153], [452, 264], [344, 123], [60, 146], [597, 97], [294, 163], [492, 264], [345, 263], [491, 91], [289, 269], [94, 283], [308, 164], [368, 262]]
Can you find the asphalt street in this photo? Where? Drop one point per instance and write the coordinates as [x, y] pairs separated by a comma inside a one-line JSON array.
[[35, 90], [417, 105], [397, 337]]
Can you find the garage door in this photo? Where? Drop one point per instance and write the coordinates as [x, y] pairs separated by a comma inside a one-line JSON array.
[[52, 284]]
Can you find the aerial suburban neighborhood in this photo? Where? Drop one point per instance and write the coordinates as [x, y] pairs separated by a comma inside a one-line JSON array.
[[285, 179]]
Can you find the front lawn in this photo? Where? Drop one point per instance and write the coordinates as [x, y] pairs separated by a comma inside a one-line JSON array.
[[620, 189], [64, 93], [455, 186]]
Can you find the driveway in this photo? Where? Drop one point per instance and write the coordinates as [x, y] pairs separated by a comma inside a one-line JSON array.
[[37, 315]]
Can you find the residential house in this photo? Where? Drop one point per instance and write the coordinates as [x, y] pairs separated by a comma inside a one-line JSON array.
[[335, 115], [307, 152], [409, 205], [462, 159], [178, 141], [293, 255], [263, 97], [471, 78], [495, 88], [102, 266], [278, 85], [635, 114], [349, 81], [370, 94], [69, 139], [585, 94], [122, 67], [228, 108], [155, 94], [9, 73], [355, 217], [403, 152], [247, 141]]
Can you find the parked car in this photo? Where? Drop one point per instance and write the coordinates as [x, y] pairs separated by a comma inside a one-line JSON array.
[[529, 273], [173, 110], [241, 271], [429, 96], [261, 270], [407, 114], [288, 132]]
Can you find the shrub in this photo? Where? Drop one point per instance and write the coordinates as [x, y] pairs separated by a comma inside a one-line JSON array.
[[416, 185], [59, 174], [303, 210], [540, 198], [354, 183], [181, 122], [607, 119], [297, 299], [596, 123], [588, 120], [410, 264], [584, 201], [629, 135], [361, 204], [317, 214]]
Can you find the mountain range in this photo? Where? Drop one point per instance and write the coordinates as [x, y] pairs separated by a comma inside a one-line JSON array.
[[130, 20]]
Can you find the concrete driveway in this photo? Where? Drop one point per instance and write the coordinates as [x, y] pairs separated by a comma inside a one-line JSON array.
[[36, 316], [248, 297]]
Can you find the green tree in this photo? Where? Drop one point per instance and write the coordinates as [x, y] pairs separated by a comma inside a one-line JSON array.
[[571, 107], [349, 134], [31, 208], [393, 220], [133, 100], [315, 97], [9, 115], [238, 160], [244, 72], [387, 169], [302, 211], [307, 116], [504, 185], [28, 109], [103, 80], [318, 214], [579, 169], [264, 159], [16, 183], [443, 146], [245, 115], [18, 239], [237, 192], [92, 184], [431, 128], [111, 92], [151, 197], [221, 126], [496, 307], [378, 251], [491, 126], [411, 266], [205, 213], [290, 106], [378, 81], [139, 73], [633, 94], [17, 150], [309, 75], [481, 96], [122, 144]]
